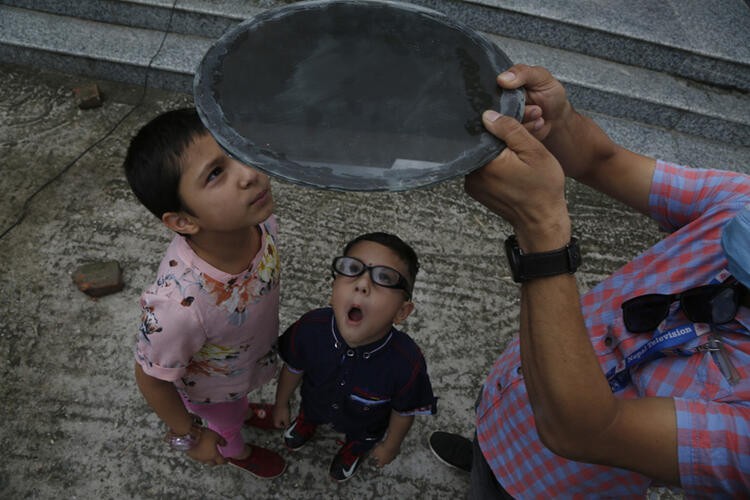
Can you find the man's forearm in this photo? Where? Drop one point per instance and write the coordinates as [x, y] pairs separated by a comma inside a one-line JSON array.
[[587, 154], [576, 413], [562, 374], [578, 143]]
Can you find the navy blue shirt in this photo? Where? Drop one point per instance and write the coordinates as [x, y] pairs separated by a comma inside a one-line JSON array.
[[355, 389]]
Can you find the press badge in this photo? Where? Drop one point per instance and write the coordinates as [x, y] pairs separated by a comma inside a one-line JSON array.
[[659, 346]]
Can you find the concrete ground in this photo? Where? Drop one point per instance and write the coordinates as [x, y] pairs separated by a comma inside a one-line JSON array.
[[73, 422]]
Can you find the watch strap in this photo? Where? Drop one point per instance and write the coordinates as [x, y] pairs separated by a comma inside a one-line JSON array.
[[565, 260]]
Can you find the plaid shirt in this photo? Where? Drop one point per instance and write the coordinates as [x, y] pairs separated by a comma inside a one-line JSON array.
[[713, 416]]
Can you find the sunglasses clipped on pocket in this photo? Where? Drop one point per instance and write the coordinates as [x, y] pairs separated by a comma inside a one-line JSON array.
[[714, 304]]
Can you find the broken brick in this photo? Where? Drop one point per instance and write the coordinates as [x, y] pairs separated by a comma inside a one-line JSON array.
[[97, 279], [88, 96]]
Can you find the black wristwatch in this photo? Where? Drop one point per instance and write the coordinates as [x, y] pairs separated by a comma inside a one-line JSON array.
[[527, 266]]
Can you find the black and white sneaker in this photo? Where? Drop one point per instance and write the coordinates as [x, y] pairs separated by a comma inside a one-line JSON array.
[[299, 433], [346, 462], [451, 449]]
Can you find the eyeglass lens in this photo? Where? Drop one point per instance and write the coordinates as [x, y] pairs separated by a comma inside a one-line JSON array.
[[381, 275]]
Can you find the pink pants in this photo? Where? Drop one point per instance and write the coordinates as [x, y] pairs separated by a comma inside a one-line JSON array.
[[226, 419]]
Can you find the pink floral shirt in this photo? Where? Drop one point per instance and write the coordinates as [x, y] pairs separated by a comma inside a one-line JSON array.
[[211, 333]]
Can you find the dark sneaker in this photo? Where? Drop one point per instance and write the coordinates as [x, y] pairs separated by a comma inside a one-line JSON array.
[[451, 449], [261, 416], [346, 462], [262, 463], [299, 433]]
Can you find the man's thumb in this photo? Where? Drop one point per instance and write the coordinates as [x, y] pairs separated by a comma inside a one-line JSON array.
[[508, 130]]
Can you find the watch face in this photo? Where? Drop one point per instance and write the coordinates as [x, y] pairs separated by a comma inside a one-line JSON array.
[[354, 95]]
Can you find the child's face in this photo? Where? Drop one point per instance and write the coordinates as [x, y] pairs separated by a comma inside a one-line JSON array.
[[366, 311], [222, 193]]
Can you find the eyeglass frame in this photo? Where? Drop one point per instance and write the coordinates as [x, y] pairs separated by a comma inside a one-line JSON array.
[[731, 283], [402, 284]]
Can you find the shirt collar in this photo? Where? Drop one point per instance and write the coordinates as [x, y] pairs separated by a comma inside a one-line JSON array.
[[365, 350]]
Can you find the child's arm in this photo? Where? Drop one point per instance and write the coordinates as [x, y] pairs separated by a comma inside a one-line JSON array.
[[288, 382], [163, 398], [398, 426]]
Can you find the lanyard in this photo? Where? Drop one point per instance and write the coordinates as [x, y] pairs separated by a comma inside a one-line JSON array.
[[664, 343], [619, 376]]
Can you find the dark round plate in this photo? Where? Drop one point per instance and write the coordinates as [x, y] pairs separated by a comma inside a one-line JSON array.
[[354, 95]]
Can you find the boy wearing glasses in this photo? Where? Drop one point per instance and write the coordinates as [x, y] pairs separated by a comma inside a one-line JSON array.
[[358, 372]]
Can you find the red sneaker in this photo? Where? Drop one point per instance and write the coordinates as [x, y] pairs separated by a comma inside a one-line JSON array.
[[262, 463], [261, 416]]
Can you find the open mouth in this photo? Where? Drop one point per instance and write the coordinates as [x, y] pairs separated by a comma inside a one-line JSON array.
[[355, 314]]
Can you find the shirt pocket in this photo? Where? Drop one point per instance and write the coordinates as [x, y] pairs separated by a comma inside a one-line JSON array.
[[715, 386], [367, 408]]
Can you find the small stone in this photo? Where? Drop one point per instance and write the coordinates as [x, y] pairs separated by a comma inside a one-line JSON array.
[[98, 279], [88, 96]]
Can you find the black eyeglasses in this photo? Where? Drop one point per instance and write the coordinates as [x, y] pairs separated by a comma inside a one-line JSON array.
[[714, 304], [380, 275]]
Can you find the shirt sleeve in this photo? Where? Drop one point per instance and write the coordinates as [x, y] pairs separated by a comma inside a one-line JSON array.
[[170, 334], [416, 397], [713, 449], [290, 348], [680, 195]]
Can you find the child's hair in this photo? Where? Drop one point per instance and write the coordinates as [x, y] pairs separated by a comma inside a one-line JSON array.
[[153, 163], [401, 249]]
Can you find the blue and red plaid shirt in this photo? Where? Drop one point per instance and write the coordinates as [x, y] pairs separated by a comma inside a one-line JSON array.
[[713, 416]]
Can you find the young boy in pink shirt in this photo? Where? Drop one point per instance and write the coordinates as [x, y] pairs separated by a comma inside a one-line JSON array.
[[210, 320]]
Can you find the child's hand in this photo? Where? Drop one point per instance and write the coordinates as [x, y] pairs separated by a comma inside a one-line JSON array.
[[206, 450], [281, 416], [383, 454]]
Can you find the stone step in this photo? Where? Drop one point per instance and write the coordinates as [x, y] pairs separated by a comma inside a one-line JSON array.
[[672, 146], [640, 94], [123, 53], [206, 18], [697, 40], [703, 41], [100, 50]]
